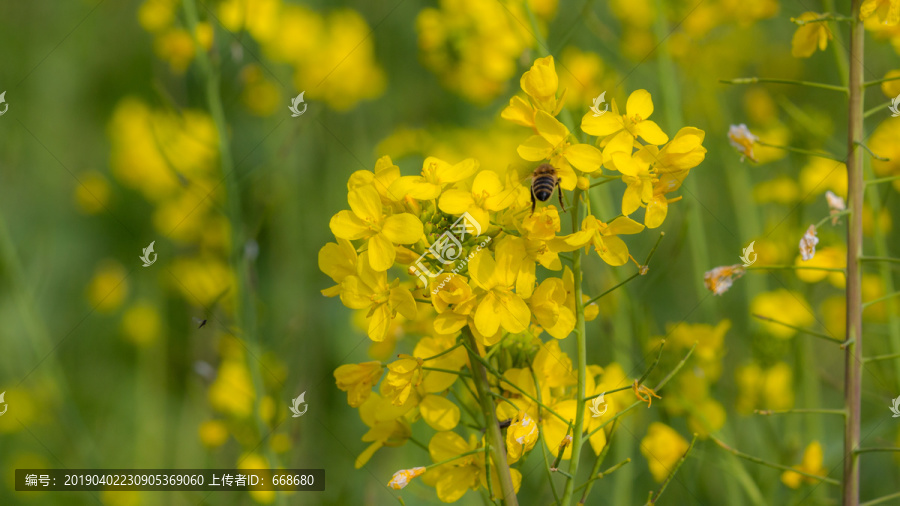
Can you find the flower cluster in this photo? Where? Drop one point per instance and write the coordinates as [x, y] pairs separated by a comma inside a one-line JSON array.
[[335, 46], [473, 46], [455, 258]]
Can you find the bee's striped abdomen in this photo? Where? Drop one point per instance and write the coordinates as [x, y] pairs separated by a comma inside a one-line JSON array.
[[543, 187]]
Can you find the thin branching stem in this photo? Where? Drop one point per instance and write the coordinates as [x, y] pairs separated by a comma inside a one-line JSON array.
[[758, 460], [799, 329], [755, 80]]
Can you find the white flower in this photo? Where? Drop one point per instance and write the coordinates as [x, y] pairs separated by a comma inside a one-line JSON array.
[[742, 139], [835, 205], [808, 244]]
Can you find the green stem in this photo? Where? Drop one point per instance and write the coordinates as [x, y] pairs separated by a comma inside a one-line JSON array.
[[882, 180], [879, 81], [596, 469], [793, 268], [879, 259], [448, 371], [881, 357], [808, 152], [879, 299], [876, 109], [640, 380], [768, 412], [659, 387], [822, 18], [831, 217], [855, 190], [441, 354], [451, 459], [799, 329], [758, 460], [581, 357], [870, 450], [754, 80], [546, 448], [880, 500], [871, 153], [492, 426], [672, 474]]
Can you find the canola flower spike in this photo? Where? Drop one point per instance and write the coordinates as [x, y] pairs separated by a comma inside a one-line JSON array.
[[404, 248]]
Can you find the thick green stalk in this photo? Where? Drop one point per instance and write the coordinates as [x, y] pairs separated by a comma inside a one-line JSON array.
[[856, 188], [492, 426], [581, 344]]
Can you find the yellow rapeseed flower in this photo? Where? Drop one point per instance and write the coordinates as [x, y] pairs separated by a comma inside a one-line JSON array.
[[812, 464], [662, 447], [357, 380], [553, 143], [108, 287], [370, 290], [603, 237], [887, 11], [784, 306], [623, 129], [367, 220], [810, 36]]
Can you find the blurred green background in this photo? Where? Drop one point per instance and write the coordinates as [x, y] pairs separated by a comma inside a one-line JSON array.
[[108, 144]]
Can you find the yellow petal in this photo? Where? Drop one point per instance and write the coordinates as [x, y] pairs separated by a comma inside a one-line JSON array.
[[622, 142], [602, 125], [656, 212], [625, 164], [365, 203], [438, 412], [379, 323], [381, 252], [402, 301], [631, 200], [639, 104], [514, 313], [487, 317], [614, 251], [403, 228], [584, 157], [623, 225], [550, 128], [535, 149], [540, 80], [487, 182], [519, 111], [446, 445], [455, 201], [346, 225], [651, 133]]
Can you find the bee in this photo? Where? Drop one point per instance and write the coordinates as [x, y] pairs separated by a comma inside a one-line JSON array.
[[543, 181]]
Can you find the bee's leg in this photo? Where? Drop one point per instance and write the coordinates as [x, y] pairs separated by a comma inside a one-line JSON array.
[[533, 200], [559, 194]]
